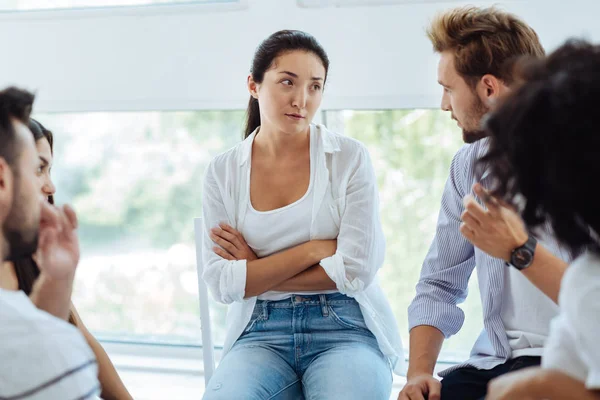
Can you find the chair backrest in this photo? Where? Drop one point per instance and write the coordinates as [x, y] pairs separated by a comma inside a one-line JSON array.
[[208, 353]]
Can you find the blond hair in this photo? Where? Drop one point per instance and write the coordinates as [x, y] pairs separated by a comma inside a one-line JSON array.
[[483, 41]]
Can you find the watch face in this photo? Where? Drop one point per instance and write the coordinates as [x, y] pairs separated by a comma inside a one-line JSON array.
[[522, 258]]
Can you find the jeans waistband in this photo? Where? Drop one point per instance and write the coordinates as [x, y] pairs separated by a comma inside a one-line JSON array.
[[299, 300], [308, 300]]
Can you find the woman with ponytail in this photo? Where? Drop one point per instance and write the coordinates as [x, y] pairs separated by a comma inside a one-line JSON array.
[[293, 243]]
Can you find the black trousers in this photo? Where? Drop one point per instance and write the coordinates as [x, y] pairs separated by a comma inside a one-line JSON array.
[[471, 383]]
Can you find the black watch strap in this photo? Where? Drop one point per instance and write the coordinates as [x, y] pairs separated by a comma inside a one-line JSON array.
[[522, 256]]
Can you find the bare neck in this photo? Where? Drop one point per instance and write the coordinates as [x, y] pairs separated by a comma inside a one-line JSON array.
[[279, 145], [3, 248], [8, 276]]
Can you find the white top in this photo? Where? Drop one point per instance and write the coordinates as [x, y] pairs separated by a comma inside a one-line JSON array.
[[269, 232], [345, 192], [573, 345], [43, 357], [526, 311]]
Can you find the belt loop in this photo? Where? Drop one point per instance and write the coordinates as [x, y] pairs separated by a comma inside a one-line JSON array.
[[265, 310], [324, 308]]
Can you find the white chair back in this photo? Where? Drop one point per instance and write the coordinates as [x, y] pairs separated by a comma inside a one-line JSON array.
[[208, 351]]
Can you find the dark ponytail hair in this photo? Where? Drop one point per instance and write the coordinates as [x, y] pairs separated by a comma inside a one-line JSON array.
[[26, 269], [252, 117], [272, 47]]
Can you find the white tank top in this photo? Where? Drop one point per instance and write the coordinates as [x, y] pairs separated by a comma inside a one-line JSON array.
[[269, 232]]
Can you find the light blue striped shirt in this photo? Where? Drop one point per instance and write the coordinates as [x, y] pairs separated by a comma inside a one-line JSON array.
[[451, 260]]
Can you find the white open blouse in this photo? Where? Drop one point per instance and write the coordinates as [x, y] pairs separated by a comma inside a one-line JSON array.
[[345, 190]]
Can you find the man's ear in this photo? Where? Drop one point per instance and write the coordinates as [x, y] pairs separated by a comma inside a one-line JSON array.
[[489, 89], [6, 188]]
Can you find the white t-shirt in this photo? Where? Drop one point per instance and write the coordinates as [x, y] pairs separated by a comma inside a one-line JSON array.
[[573, 346], [42, 357]]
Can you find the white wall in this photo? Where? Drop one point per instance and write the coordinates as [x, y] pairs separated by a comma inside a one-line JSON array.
[[180, 58]]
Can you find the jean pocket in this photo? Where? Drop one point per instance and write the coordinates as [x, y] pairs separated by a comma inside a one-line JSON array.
[[257, 316], [347, 316]]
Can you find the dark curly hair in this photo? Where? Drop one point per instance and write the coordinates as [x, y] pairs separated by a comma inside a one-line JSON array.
[[545, 142]]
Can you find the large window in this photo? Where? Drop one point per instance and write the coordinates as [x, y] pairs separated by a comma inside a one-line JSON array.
[[411, 152], [135, 180]]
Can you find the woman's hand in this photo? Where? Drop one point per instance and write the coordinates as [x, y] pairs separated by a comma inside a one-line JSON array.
[[58, 248], [232, 244], [536, 383]]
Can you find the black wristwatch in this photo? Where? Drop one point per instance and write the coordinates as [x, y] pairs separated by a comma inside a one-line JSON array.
[[522, 257]]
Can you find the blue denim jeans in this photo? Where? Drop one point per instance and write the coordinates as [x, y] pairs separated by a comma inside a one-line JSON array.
[[305, 347]]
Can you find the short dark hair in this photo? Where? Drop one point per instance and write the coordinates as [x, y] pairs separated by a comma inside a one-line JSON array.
[[14, 104], [545, 142]]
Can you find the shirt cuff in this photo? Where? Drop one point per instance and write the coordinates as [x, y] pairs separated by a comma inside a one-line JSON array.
[[445, 317], [334, 267], [233, 287], [593, 380]]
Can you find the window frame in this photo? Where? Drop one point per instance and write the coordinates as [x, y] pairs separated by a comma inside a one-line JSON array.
[[177, 7]]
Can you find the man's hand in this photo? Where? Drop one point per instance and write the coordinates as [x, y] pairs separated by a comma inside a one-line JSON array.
[[233, 245], [421, 387], [497, 231], [58, 248]]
